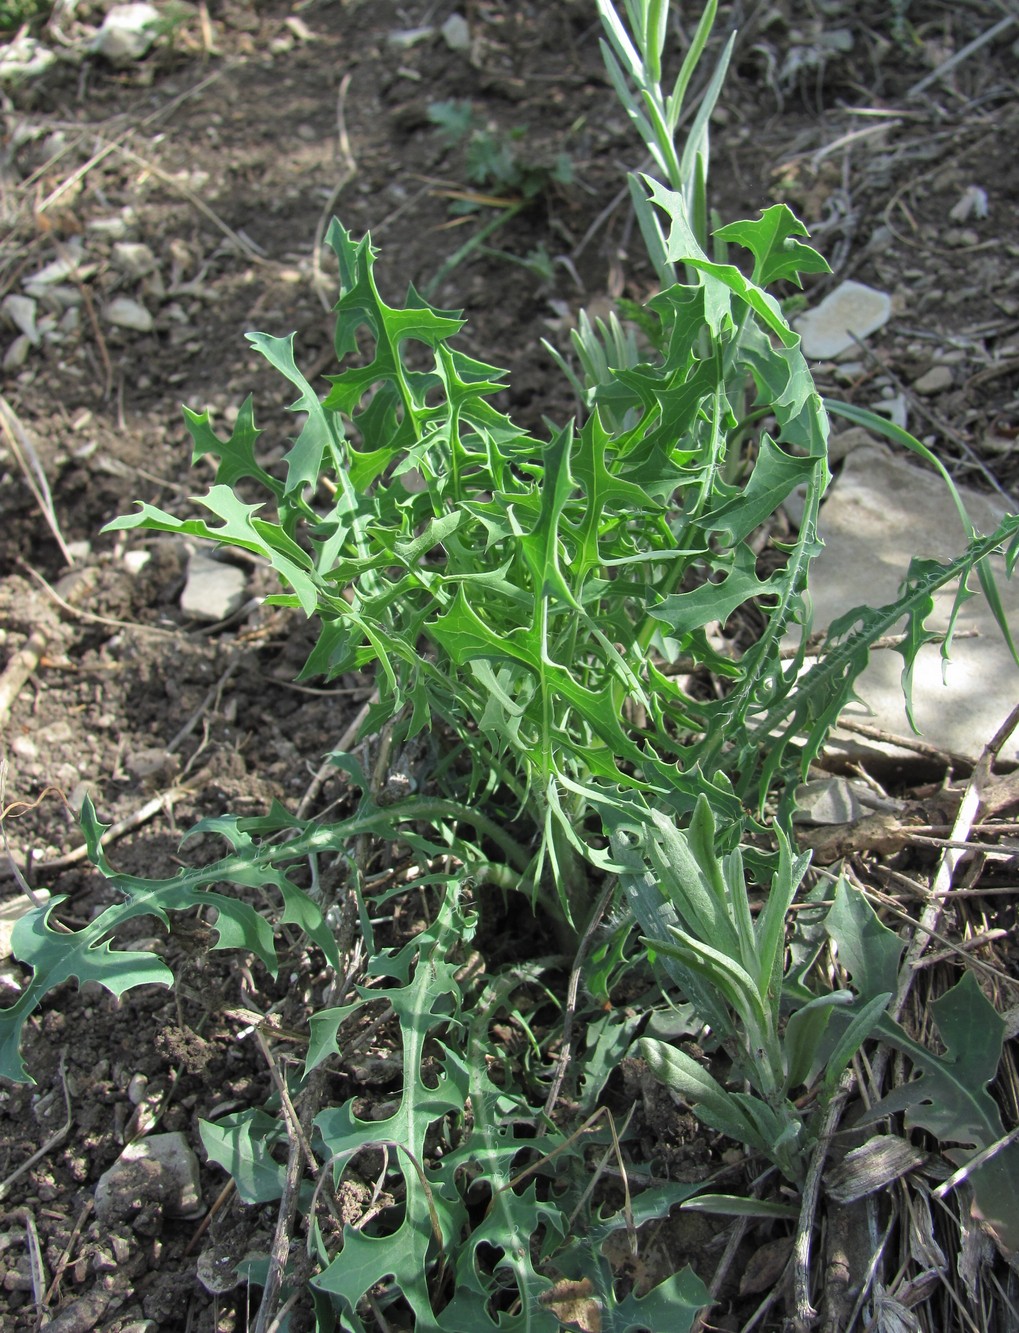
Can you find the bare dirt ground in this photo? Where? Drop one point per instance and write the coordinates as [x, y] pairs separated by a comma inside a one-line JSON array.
[[195, 183]]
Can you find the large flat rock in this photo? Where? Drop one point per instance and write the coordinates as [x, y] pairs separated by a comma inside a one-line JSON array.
[[880, 513]]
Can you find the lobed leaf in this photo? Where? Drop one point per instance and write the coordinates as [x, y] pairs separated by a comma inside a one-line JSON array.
[[433, 1214], [867, 949], [950, 1099], [242, 1144], [87, 954], [778, 255]]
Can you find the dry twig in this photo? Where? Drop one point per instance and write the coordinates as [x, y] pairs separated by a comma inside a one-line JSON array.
[[953, 61], [804, 1314], [28, 460]]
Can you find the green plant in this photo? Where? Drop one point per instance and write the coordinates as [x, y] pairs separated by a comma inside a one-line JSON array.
[[695, 912], [546, 613], [633, 53], [542, 575], [551, 585], [14, 13], [493, 160]]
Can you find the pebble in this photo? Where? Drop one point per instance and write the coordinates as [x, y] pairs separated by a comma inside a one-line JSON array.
[[59, 270], [299, 28], [838, 39], [81, 1314], [961, 238], [133, 258], [828, 801], [103, 1261], [456, 33], [973, 204], [160, 1170], [136, 1089], [935, 380], [852, 311], [880, 240], [127, 33], [128, 314], [217, 1270], [76, 796], [112, 228], [840, 446], [17, 354], [24, 747], [54, 295], [135, 561], [150, 766], [56, 733], [214, 589], [895, 408], [846, 372], [21, 311]]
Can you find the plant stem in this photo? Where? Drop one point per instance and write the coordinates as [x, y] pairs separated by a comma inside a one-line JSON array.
[[476, 242]]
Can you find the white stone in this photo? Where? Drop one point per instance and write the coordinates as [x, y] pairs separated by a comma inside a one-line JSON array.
[[456, 33], [136, 1089], [112, 228], [880, 513], [895, 408], [829, 801], [17, 354], [214, 590], [135, 561], [935, 380], [128, 314], [21, 312], [851, 311], [127, 33], [59, 270], [838, 39], [133, 258], [973, 204], [299, 28], [160, 1168]]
